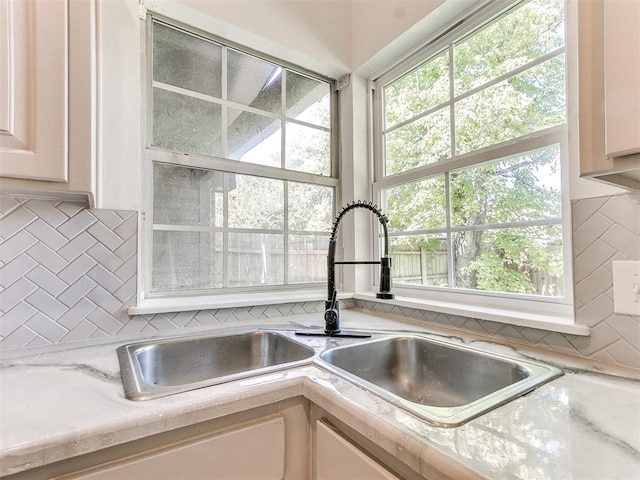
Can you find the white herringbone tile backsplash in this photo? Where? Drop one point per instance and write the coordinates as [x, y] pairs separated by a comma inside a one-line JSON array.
[[67, 274]]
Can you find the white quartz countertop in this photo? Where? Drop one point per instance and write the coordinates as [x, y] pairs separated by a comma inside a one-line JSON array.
[[60, 402]]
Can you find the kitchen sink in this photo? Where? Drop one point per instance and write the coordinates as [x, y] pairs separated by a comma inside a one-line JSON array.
[[444, 383], [158, 368]]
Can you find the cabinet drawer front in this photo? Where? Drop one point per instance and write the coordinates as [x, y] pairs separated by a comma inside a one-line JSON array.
[[339, 459], [254, 451]]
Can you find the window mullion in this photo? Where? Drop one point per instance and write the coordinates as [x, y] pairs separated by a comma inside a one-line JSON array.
[[450, 253], [516, 146], [286, 233], [283, 123], [451, 278], [224, 112], [452, 112], [225, 233]]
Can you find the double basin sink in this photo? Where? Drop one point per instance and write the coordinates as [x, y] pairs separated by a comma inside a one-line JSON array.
[[441, 382]]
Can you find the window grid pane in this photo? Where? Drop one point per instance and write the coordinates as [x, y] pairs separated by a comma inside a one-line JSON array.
[[222, 230], [522, 102], [258, 97], [494, 225], [217, 229], [517, 38], [425, 87]]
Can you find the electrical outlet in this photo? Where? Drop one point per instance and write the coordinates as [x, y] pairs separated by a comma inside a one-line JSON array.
[[626, 287]]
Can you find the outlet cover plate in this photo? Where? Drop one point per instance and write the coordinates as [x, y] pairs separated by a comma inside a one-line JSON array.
[[626, 287]]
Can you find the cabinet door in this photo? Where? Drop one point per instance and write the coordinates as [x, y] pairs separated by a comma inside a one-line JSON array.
[[33, 89], [622, 76], [254, 451], [339, 459]]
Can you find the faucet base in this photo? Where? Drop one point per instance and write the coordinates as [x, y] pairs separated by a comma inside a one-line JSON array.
[[340, 333], [385, 295]]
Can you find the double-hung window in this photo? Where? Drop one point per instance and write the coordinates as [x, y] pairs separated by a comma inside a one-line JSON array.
[[241, 167], [470, 136]]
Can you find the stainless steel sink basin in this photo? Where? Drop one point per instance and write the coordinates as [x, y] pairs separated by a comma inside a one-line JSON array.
[[443, 383], [163, 367]]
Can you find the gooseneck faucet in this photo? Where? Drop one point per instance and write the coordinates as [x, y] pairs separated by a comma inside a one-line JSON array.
[[332, 305]]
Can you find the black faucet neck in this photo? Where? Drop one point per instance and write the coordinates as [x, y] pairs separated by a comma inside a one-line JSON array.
[[332, 309], [369, 206]]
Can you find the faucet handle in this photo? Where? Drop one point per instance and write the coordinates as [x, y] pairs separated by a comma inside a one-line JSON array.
[[332, 306]]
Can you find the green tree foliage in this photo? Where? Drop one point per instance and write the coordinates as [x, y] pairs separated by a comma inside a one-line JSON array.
[[492, 254]]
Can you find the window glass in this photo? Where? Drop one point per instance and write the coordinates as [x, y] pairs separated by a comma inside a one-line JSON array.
[[420, 260], [254, 82], [257, 203], [525, 103], [478, 204], [417, 205], [190, 104], [310, 207], [421, 142], [308, 100], [254, 138], [186, 196], [423, 88], [216, 229], [249, 198], [516, 189], [307, 261], [255, 259], [186, 124], [308, 149], [186, 260], [186, 61], [525, 260], [519, 37]]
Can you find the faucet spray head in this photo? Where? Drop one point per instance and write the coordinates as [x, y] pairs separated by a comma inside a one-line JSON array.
[[385, 279]]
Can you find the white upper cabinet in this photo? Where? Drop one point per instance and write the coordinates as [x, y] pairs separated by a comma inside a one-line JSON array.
[[609, 91], [34, 90], [622, 77], [47, 73]]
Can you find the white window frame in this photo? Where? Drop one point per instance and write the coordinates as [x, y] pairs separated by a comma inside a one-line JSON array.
[[151, 302], [549, 313]]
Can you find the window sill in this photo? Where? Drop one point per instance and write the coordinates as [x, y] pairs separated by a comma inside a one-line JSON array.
[[184, 304], [560, 321]]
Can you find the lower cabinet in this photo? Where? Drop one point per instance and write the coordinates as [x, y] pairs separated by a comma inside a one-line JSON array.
[[336, 458], [292, 439], [266, 442], [253, 451]]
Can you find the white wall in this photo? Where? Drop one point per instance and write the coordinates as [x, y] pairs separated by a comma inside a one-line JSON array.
[[119, 93], [310, 33], [377, 23], [331, 37]]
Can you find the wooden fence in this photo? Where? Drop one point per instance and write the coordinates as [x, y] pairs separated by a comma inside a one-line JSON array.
[[430, 268], [409, 267], [420, 267]]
